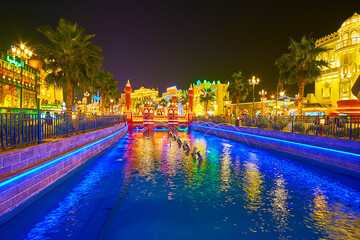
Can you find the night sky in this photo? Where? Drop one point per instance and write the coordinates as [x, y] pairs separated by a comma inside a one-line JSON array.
[[164, 43]]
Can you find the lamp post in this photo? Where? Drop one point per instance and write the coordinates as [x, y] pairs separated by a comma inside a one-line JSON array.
[[86, 95], [262, 93], [253, 81], [112, 106]]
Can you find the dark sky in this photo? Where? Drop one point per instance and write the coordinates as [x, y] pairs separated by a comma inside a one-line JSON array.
[[163, 43]]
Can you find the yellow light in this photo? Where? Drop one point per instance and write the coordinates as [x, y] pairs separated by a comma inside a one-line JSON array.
[[22, 47], [13, 49], [30, 53], [26, 51], [18, 52]]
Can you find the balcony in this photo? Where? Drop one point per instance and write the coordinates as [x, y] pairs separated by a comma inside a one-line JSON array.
[[348, 43]]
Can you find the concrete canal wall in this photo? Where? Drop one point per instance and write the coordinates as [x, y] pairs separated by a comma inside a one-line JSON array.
[[341, 154], [26, 172]]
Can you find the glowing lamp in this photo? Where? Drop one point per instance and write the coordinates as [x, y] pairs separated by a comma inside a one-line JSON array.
[[13, 49]]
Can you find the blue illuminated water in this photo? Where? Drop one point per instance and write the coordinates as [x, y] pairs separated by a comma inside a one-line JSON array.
[[156, 191]]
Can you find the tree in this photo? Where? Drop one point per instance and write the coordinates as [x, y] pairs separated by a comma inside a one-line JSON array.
[[238, 89], [300, 65], [184, 100], [206, 96], [70, 58], [163, 102], [105, 83]]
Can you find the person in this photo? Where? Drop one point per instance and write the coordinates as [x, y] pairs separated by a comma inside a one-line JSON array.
[[49, 122]]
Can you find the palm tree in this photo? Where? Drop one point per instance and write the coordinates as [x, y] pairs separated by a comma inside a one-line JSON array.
[[105, 83], [163, 102], [238, 89], [70, 58], [206, 96], [184, 100], [300, 65]]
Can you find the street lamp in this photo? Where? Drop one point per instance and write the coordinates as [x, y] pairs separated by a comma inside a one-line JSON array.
[[262, 93], [86, 95], [253, 81], [112, 106]]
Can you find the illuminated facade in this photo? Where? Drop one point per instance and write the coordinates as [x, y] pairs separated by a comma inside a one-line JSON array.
[[220, 106], [140, 96], [333, 87], [19, 83], [51, 97]]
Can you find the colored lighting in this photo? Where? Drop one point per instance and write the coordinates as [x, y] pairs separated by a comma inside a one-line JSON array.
[[57, 159], [14, 61], [284, 141]]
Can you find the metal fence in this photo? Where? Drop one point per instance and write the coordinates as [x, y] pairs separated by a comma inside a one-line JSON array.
[[28, 126], [332, 126]]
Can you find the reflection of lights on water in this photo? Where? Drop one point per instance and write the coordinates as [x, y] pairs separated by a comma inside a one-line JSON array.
[[225, 170], [252, 183], [335, 219], [280, 209]]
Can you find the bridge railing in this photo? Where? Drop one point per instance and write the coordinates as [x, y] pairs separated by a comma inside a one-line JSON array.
[[332, 126], [25, 126]]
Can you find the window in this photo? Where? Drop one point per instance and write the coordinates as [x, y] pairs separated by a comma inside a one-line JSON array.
[[326, 91], [345, 85]]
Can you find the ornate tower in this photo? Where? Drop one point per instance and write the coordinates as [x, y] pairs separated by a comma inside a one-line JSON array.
[[191, 104], [191, 99], [128, 90]]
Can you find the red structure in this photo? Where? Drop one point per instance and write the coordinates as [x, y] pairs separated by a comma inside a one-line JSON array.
[[128, 91], [191, 103], [128, 112], [147, 119]]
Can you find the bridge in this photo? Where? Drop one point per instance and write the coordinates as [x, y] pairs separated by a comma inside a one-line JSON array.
[[149, 117]]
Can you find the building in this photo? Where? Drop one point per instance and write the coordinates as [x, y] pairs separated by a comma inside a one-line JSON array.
[[140, 96], [51, 97], [333, 87], [19, 83], [221, 104]]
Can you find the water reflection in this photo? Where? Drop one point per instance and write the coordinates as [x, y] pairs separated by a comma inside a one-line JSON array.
[[225, 167], [334, 219], [279, 204], [252, 185]]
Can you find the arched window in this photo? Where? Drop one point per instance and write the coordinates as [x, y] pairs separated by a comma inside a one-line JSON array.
[[326, 91], [345, 86], [353, 67], [354, 34]]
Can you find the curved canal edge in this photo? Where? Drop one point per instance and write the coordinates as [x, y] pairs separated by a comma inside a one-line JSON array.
[[22, 186], [340, 154]]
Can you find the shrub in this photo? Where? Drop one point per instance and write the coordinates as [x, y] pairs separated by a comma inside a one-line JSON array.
[[263, 123], [299, 127], [280, 124]]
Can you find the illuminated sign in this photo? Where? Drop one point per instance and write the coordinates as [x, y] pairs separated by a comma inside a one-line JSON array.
[[14, 61]]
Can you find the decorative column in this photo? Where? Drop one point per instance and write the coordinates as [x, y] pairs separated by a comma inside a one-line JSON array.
[[148, 116], [173, 114]]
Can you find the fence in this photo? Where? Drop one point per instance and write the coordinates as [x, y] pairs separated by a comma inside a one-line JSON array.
[[28, 126], [332, 126]]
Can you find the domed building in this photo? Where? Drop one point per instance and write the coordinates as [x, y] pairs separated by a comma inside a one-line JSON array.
[[333, 87]]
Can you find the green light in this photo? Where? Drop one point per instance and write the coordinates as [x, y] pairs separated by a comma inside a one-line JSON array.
[[14, 61]]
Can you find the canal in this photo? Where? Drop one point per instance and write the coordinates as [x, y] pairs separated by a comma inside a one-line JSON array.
[[146, 187]]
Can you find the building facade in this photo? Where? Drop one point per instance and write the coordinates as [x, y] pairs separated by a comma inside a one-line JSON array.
[[19, 83], [221, 103], [333, 87]]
